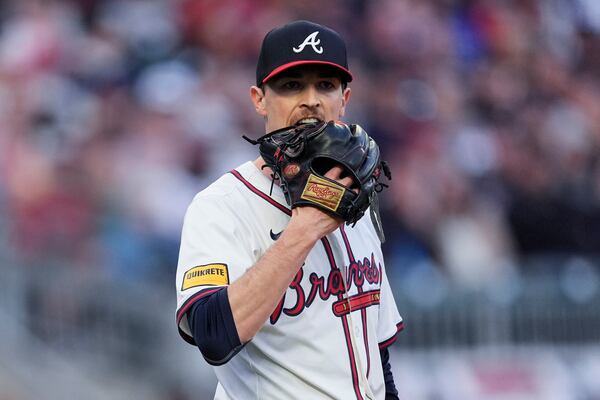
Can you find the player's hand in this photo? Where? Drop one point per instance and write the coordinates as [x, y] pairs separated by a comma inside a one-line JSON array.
[[313, 222]]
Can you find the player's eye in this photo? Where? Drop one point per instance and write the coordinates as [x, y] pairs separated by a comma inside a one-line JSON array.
[[291, 85], [327, 85]]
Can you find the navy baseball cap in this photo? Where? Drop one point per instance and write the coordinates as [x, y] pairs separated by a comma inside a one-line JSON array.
[[297, 43]]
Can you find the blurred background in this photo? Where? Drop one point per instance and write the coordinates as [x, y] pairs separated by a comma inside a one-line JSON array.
[[115, 113]]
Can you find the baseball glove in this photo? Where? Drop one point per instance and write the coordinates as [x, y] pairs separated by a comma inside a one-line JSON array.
[[300, 155]]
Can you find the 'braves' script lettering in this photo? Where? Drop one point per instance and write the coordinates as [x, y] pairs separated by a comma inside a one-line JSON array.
[[358, 272]]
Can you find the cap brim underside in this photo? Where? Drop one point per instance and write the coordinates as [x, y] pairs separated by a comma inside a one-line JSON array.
[[283, 67]]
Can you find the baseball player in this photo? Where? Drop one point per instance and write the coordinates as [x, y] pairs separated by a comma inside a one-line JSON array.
[[285, 300]]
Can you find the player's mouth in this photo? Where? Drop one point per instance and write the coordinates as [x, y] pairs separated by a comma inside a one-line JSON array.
[[308, 120]]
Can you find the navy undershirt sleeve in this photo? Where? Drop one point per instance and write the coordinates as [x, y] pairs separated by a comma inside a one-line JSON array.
[[213, 328], [390, 387]]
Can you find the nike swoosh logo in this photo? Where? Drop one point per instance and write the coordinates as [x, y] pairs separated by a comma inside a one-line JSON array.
[[274, 236]]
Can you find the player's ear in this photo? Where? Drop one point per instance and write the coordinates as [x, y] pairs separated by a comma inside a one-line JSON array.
[[257, 95], [345, 98]]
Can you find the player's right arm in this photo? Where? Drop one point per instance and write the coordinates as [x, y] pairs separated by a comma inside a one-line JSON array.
[[227, 317], [255, 295]]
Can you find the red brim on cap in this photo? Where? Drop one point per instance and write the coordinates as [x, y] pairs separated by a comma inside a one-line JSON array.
[[283, 67]]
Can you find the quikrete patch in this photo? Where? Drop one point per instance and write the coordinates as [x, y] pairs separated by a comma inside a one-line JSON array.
[[209, 274]]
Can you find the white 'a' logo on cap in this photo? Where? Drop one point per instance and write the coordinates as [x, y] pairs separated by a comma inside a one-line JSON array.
[[310, 40]]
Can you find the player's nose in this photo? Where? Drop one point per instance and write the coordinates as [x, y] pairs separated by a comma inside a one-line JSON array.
[[310, 97]]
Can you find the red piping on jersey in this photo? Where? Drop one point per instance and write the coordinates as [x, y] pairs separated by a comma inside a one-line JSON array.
[[344, 319], [352, 360], [188, 303], [347, 243], [363, 316], [388, 342], [363, 311], [259, 193]]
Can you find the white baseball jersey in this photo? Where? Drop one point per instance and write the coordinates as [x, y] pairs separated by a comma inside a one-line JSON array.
[[322, 341]]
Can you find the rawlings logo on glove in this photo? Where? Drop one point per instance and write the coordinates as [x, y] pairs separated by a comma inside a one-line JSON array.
[[322, 192]]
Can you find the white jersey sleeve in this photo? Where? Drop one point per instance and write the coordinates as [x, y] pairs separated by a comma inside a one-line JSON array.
[[214, 251]]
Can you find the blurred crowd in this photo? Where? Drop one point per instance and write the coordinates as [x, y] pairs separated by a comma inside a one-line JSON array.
[[116, 112]]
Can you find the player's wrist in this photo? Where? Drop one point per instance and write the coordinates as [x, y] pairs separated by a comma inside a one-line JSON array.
[[304, 231]]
